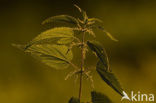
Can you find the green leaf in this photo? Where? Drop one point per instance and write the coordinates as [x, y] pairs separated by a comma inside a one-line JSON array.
[[98, 97], [52, 55], [103, 66], [109, 78], [84, 14], [61, 18], [100, 52], [74, 100], [107, 33], [97, 23], [58, 35]]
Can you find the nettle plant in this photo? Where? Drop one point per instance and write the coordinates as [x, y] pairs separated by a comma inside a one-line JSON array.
[[54, 48]]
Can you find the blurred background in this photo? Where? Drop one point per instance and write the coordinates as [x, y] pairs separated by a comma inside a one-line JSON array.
[[133, 59]]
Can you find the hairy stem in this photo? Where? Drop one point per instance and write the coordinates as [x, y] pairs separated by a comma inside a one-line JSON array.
[[82, 66]]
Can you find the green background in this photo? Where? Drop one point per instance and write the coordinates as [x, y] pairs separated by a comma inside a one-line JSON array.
[[133, 59]]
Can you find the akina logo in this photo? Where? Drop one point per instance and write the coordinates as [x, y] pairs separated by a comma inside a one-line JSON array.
[[140, 97]]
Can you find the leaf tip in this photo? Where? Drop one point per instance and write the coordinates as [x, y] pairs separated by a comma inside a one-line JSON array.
[[78, 7], [111, 37], [19, 46], [114, 39], [16, 45]]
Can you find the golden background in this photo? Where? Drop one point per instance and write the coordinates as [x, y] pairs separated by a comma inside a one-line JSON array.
[[133, 59]]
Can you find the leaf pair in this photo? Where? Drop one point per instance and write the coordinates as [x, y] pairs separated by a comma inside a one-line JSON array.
[[90, 22], [94, 23], [45, 47], [102, 66], [96, 97]]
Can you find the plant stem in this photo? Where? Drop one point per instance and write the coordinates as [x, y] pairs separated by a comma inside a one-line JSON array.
[[82, 66]]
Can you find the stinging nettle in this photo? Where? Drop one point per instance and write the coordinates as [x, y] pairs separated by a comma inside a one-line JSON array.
[[54, 47]]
